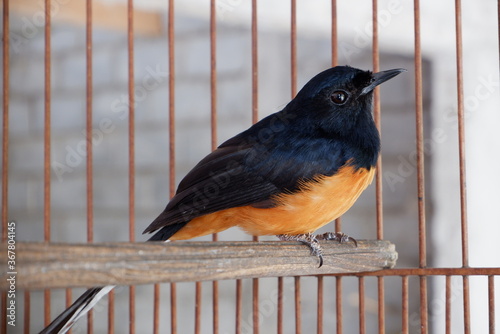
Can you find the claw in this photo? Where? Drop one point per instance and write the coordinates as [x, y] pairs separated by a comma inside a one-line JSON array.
[[336, 236], [309, 240]]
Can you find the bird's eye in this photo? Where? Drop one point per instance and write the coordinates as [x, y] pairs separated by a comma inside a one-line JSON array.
[[339, 97]]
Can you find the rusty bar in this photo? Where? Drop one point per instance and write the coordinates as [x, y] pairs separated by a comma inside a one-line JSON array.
[[171, 140], [378, 175], [423, 304], [5, 148], [319, 316], [460, 271], [69, 297], [448, 304], [361, 301], [111, 312], [334, 34], [420, 131], [213, 75], [491, 303], [280, 306], [27, 312], [90, 188], [376, 117], [338, 221], [239, 305], [173, 308], [466, 304], [197, 308], [213, 123], [255, 117], [298, 315], [381, 304], [89, 148], [461, 134], [156, 309], [420, 167], [255, 65], [338, 304], [293, 48], [405, 329], [131, 148], [461, 157], [255, 304], [5, 120], [293, 69], [47, 146]]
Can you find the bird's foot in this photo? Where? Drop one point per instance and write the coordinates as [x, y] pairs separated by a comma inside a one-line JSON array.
[[336, 236], [309, 240]]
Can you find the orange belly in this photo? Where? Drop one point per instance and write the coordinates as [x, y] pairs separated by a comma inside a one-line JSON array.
[[317, 204]]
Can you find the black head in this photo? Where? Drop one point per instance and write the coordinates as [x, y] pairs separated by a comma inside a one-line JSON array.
[[337, 98]]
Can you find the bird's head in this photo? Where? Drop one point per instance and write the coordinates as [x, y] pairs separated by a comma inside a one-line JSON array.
[[340, 96]]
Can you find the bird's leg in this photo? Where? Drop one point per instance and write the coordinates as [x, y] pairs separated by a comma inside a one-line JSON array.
[[336, 236], [308, 239]]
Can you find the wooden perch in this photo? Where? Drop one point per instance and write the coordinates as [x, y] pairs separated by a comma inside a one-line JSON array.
[[51, 265]]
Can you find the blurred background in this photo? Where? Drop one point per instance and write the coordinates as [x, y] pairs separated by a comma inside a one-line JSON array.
[[110, 105]]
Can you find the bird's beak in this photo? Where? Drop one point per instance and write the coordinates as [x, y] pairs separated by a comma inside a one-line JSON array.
[[381, 77]]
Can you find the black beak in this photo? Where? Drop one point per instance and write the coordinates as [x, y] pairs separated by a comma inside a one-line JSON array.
[[381, 77]]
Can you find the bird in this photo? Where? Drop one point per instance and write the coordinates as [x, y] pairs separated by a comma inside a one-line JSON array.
[[287, 175]]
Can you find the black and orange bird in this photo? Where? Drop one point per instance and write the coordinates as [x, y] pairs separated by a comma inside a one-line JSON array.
[[287, 175]]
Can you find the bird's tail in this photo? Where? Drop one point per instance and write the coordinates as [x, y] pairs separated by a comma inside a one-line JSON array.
[[79, 308]]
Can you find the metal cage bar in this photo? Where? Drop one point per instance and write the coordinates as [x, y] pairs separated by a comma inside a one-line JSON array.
[[5, 156]]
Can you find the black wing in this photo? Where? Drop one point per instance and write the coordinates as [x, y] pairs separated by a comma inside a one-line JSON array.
[[249, 170]]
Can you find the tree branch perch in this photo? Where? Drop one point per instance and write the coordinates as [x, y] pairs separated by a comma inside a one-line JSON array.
[[53, 265]]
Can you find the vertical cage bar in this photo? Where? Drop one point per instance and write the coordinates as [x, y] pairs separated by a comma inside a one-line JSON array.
[[255, 117], [461, 157], [491, 304], [338, 304], [111, 312], [197, 308], [131, 148], [255, 65], [255, 303], [280, 306], [27, 312], [5, 151], [466, 304], [293, 81], [89, 148], [405, 306], [171, 140], [420, 167], [298, 313], [319, 316], [156, 308], [293, 48], [47, 146], [213, 123], [361, 295], [338, 221], [461, 134], [334, 38], [376, 118], [239, 305], [448, 304], [378, 175]]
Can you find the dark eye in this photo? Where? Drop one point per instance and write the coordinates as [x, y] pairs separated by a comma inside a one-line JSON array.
[[339, 97]]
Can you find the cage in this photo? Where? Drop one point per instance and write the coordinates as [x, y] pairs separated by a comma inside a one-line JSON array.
[[107, 104]]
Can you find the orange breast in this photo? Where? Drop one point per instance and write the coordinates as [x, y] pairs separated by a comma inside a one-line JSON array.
[[317, 204]]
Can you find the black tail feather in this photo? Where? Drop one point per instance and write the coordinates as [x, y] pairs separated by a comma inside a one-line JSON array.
[[71, 313], [166, 232], [66, 319]]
